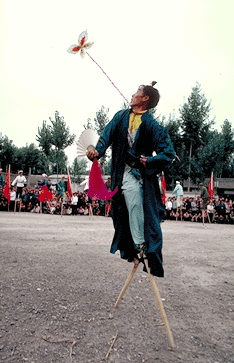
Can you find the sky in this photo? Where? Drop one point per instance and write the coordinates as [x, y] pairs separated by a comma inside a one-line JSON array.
[[176, 43]]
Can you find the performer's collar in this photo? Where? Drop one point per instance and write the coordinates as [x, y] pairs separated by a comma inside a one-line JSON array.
[[138, 112]]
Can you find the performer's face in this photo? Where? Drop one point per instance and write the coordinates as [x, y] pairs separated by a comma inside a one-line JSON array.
[[139, 98]]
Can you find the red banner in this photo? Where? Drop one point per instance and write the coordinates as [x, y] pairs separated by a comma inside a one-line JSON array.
[[211, 187], [45, 194], [6, 189], [97, 187], [163, 184], [69, 186]]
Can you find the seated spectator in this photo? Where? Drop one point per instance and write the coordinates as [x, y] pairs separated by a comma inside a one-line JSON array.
[[80, 210], [194, 206], [231, 217], [188, 215], [36, 209], [86, 210], [69, 210], [172, 215], [3, 203]]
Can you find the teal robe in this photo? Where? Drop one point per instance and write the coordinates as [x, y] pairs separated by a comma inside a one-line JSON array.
[[150, 137]]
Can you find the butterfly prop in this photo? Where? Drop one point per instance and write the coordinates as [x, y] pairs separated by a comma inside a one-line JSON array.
[[82, 47]]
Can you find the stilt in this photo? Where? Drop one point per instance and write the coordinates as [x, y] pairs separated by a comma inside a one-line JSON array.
[[160, 304], [142, 256], [127, 283], [90, 211]]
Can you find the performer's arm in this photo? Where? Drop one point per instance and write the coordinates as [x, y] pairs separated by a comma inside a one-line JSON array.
[[14, 181]]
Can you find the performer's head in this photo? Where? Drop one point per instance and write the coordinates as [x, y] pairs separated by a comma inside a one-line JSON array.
[[20, 172], [145, 98]]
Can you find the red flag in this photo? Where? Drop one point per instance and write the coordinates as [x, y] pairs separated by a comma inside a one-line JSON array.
[[69, 186], [163, 184], [211, 186], [97, 187], [6, 189], [45, 194]]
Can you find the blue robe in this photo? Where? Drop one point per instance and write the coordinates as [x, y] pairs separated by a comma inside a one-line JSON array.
[[150, 137]]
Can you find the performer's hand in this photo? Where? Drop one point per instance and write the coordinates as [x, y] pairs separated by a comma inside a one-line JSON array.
[[92, 153], [143, 160]]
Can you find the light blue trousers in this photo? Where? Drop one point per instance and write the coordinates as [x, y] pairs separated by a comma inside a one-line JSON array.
[[133, 194]]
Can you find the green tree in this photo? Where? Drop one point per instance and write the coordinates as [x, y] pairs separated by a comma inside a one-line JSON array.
[[53, 140], [79, 167], [27, 157], [228, 149], [7, 152], [58, 162], [195, 126], [44, 138]]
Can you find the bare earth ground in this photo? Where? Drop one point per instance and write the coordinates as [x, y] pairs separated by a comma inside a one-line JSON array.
[[59, 281]]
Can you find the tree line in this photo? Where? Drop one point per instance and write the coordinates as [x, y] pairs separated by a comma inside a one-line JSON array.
[[200, 149]]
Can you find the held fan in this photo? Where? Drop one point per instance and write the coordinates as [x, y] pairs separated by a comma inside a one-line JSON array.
[[87, 138]]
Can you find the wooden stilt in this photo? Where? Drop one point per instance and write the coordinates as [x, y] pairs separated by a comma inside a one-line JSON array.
[[141, 256], [160, 304], [208, 217], [15, 205], [90, 211], [127, 283], [61, 207]]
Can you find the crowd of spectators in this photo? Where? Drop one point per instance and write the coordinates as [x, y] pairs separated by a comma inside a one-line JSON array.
[[77, 204], [218, 210]]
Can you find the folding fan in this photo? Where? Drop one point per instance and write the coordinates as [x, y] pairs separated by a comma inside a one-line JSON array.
[[87, 138]]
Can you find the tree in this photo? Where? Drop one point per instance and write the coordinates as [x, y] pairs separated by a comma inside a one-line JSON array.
[[54, 139], [44, 138], [195, 126], [7, 152], [79, 167], [228, 148], [27, 157]]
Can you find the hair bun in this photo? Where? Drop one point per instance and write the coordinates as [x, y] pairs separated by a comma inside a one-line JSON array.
[[153, 83]]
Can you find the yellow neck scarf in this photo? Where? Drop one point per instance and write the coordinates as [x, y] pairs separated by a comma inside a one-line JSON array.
[[135, 120]]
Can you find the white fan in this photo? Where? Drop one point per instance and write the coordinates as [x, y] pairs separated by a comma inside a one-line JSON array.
[[87, 138]]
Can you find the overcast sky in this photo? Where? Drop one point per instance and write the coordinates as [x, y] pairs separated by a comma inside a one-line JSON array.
[[176, 43]]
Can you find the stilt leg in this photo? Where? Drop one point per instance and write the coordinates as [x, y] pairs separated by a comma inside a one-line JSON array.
[[160, 304], [127, 283]]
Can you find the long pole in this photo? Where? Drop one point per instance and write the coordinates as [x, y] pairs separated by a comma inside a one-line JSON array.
[[160, 304], [127, 283]]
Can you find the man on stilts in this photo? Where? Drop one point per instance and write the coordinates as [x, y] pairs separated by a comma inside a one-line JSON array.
[[137, 207]]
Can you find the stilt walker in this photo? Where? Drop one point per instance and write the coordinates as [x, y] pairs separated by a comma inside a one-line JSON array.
[[141, 149]]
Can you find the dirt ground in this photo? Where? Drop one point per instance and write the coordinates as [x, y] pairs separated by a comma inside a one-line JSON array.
[[59, 281]]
